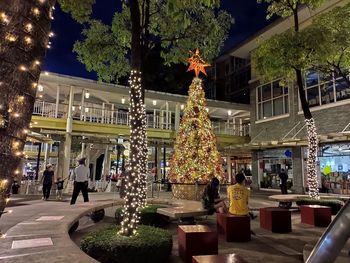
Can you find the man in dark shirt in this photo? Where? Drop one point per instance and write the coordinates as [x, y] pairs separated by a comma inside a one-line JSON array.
[[283, 182], [47, 181]]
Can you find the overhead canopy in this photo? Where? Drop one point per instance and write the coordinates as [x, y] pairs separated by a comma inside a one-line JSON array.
[[37, 137]]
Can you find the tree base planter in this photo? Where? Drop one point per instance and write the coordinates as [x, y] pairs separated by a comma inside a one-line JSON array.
[[148, 216], [233, 228], [188, 192], [150, 245], [315, 215], [196, 240], [277, 220]]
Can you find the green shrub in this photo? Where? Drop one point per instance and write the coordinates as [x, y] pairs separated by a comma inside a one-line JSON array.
[[334, 204], [151, 245], [148, 216]]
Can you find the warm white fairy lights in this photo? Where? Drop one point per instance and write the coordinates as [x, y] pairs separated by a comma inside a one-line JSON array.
[[135, 182], [11, 112], [311, 158]]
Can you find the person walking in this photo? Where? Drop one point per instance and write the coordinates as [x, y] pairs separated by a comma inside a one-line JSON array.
[[283, 182], [47, 180], [81, 179]]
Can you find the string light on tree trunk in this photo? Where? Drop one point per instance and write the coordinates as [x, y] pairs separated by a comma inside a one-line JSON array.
[[311, 158], [25, 28], [135, 197]]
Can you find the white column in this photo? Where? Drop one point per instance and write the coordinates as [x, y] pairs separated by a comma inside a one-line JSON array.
[[161, 119], [159, 159], [82, 154], [229, 168], [105, 165], [94, 172], [166, 115], [112, 114], [46, 147], [177, 116], [87, 152], [57, 100], [241, 127], [82, 109], [68, 141], [154, 118], [103, 113]]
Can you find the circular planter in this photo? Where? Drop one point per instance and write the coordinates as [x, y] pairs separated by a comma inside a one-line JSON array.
[[149, 245]]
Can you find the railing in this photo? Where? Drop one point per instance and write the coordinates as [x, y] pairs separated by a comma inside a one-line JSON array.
[[121, 117], [231, 129], [35, 148]]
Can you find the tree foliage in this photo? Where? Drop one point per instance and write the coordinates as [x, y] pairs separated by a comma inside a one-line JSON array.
[[282, 54], [106, 48], [285, 8], [329, 40], [322, 46]]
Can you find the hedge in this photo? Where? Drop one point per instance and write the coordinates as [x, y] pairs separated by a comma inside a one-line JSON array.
[[150, 245], [334, 204], [148, 216]]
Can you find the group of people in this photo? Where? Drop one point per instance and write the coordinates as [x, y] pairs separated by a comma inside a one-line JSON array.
[[80, 178], [237, 198]]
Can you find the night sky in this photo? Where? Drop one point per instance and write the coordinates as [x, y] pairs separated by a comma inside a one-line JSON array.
[[249, 18]]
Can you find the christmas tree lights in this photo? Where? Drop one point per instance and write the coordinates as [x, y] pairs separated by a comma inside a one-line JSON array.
[[196, 159]]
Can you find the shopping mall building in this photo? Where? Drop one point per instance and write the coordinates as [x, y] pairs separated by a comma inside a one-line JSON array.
[[278, 132], [76, 117]]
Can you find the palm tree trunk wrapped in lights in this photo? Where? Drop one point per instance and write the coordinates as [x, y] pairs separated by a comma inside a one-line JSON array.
[[25, 32]]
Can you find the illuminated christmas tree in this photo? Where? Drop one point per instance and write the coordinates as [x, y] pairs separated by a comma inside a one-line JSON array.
[[196, 159]]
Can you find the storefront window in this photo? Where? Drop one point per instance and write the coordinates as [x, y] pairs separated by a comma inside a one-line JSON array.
[[271, 162], [334, 168]]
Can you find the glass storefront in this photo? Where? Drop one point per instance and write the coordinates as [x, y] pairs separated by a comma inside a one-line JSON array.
[[334, 168], [270, 165]]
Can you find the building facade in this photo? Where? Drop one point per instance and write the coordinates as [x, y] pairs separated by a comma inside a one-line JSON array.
[[278, 130], [75, 117]]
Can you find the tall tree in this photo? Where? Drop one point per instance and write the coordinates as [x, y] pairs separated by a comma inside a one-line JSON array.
[[25, 31], [283, 55], [328, 39], [135, 30]]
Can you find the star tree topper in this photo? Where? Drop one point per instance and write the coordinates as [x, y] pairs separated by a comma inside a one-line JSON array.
[[197, 63]]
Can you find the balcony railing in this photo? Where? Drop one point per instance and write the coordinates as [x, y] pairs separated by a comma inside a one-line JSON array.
[[159, 120]]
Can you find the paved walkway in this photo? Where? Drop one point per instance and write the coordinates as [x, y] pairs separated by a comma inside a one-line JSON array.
[[286, 248]]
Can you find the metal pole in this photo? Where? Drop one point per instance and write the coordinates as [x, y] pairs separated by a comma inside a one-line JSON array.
[[164, 161], [38, 163], [333, 239], [156, 161]]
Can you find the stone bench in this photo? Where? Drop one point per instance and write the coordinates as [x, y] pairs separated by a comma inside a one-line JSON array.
[[183, 209], [316, 215], [276, 220], [233, 228], [224, 258], [196, 240]]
